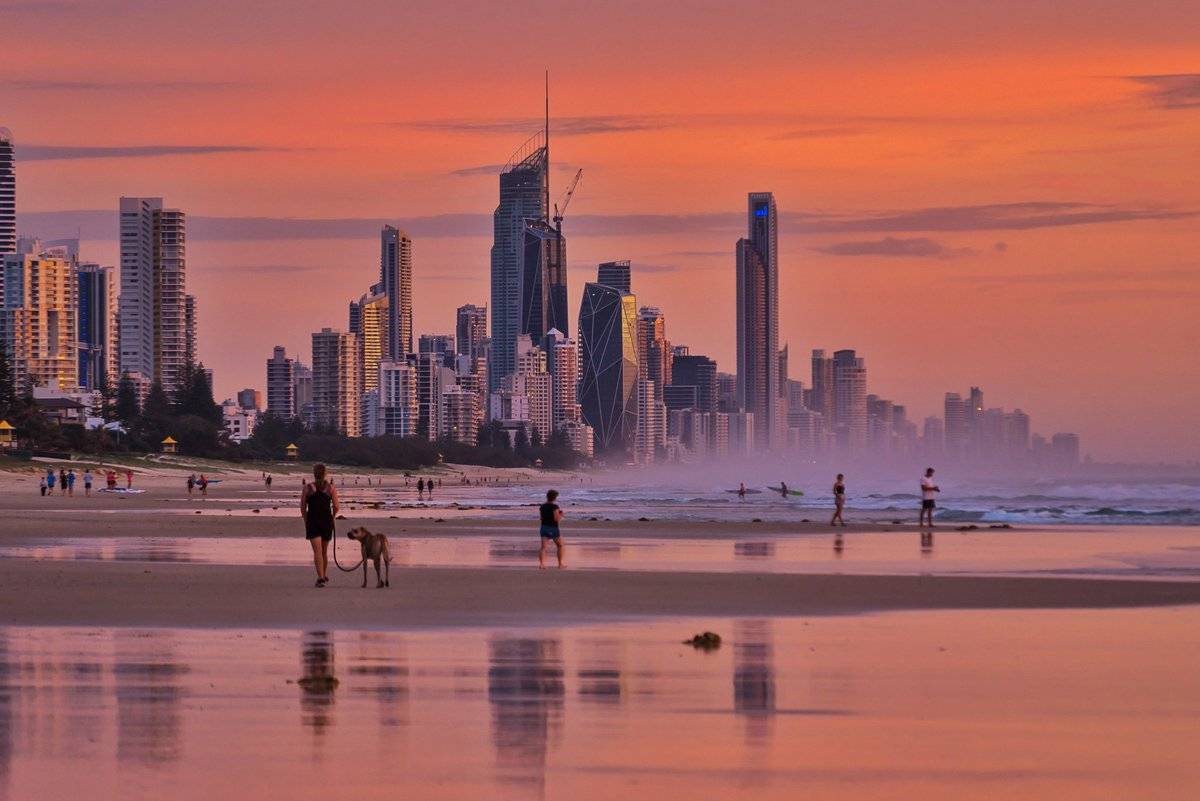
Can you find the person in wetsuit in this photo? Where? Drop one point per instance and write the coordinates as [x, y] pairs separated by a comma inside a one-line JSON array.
[[319, 506]]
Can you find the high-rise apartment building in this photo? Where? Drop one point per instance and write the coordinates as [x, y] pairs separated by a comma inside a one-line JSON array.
[[369, 323], [432, 378], [758, 318], [471, 331], [97, 326], [957, 433], [440, 344], [850, 400], [654, 351], [8, 193], [821, 397], [651, 434], [398, 411], [524, 195], [38, 323], [459, 412], [302, 391], [609, 374], [337, 382], [700, 372], [281, 391], [157, 332], [395, 279], [563, 363], [617, 274]]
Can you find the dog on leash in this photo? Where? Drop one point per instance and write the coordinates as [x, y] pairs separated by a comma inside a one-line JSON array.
[[374, 549]]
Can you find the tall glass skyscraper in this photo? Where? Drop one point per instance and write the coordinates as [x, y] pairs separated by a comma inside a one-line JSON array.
[[96, 322], [8, 194], [609, 352], [395, 276], [524, 196], [758, 318], [615, 274]]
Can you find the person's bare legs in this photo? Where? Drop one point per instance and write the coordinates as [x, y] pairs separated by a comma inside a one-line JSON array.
[[542, 555], [316, 546], [559, 544], [325, 559]]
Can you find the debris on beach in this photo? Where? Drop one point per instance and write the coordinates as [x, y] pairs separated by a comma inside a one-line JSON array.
[[1000, 525], [805, 520], [340, 517], [256, 511], [971, 527], [897, 522], [643, 520], [439, 520], [318, 684], [706, 641], [756, 520]]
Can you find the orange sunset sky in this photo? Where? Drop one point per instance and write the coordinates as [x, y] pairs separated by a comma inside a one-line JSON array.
[[999, 194]]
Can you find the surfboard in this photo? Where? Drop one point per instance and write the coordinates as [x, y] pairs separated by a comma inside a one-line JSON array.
[[121, 490], [796, 493], [748, 491]]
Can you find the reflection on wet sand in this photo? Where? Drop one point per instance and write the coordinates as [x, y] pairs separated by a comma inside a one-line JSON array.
[[150, 691], [378, 669], [525, 691], [754, 550], [754, 677], [317, 682], [599, 672]]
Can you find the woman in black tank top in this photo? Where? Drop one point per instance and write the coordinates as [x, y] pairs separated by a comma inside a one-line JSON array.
[[319, 507]]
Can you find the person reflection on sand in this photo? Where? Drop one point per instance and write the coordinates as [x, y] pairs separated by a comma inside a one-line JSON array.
[[927, 543], [754, 677], [526, 689], [318, 682]]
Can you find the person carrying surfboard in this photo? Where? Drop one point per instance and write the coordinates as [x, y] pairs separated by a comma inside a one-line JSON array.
[[783, 488], [742, 490]]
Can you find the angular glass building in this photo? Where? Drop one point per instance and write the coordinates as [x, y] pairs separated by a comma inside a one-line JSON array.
[[524, 196], [609, 377]]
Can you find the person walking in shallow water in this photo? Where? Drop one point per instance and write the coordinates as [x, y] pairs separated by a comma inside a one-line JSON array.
[[929, 491], [319, 507], [551, 514], [839, 500]]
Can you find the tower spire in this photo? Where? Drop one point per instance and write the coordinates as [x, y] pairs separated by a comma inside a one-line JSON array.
[[546, 143]]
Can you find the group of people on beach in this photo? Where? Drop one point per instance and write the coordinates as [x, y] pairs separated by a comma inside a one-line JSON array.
[[201, 483], [65, 480], [929, 492]]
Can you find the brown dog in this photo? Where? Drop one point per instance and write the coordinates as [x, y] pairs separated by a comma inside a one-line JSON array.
[[374, 549]]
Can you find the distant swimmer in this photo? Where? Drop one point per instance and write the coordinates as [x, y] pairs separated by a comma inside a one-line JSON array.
[[929, 491], [551, 514], [742, 491], [839, 500]]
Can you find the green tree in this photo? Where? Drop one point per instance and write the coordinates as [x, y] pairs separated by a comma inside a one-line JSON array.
[[194, 395], [128, 409], [8, 395]]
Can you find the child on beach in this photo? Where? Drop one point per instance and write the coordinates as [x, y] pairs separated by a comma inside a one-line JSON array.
[[71, 483], [50, 482], [551, 514], [42, 481], [87, 482]]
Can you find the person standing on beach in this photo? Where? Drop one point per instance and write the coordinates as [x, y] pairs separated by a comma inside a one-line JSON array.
[[42, 482], [191, 484], [110, 478], [62, 482], [71, 483], [742, 490], [128, 479], [929, 491], [87, 482], [319, 508], [203, 482], [551, 514], [839, 500], [420, 489]]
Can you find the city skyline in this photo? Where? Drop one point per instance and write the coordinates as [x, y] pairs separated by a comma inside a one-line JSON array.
[[988, 229]]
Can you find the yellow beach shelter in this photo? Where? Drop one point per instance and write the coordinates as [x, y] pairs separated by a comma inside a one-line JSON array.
[[169, 445], [8, 435], [293, 451]]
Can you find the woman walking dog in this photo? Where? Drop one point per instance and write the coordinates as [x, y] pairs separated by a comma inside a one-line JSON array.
[[319, 506]]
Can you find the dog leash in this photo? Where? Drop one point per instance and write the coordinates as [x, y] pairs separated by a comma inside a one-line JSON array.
[[338, 564]]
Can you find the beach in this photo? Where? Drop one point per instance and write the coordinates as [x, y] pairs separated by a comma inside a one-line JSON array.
[[177, 618]]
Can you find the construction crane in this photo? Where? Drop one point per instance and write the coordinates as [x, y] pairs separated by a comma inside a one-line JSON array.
[[566, 200]]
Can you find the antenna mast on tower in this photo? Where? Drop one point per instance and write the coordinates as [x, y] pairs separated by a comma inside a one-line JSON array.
[[546, 143]]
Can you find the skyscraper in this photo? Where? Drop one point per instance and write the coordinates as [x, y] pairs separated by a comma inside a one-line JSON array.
[[337, 382], [822, 384], [470, 330], [157, 336], [369, 317], [8, 193], [757, 318], [524, 196], [96, 321], [957, 433], [395, 277], [608, 383], [699, 372], [562, 357], [654, 351], [397, 399], [850, 400], [39, 309], [281, 393], [615, 274], [543, 280]]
